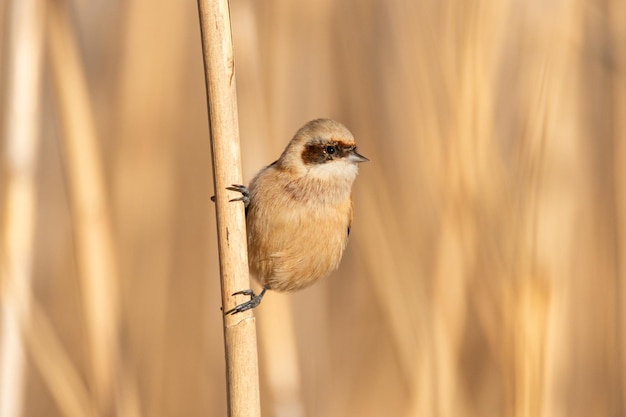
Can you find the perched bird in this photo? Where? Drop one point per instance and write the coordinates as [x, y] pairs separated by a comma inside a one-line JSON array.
[[299, 210]]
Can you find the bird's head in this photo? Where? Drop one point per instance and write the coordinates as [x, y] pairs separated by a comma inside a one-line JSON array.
[[322, 149]]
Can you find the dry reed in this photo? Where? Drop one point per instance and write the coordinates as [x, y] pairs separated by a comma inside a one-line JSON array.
[[484, 270], [95, 248], [242, 375], [21, 139]]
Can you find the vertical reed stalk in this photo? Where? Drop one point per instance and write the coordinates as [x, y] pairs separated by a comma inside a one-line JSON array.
[[22, 135], [95, 251], [239, 330]]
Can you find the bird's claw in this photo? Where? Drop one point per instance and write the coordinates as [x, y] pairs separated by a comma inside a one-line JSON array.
[[245, 194], [254, 301]]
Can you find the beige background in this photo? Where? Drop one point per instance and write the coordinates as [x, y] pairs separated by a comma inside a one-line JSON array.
[[484, 274]]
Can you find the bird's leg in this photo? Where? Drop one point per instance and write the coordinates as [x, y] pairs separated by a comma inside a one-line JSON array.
[[254, 301], [245, 194]]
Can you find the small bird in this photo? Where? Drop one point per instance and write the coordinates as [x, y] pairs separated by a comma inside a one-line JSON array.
[[299, 210]]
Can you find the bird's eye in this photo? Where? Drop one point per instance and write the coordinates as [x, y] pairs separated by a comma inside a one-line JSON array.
[[330, 150]]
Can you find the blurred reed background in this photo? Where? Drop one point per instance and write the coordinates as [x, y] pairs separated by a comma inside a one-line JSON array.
[[484, 276]]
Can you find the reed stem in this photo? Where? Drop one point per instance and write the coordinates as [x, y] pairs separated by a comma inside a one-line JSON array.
[[242, 375]]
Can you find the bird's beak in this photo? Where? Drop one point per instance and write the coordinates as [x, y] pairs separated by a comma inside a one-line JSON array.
[[355, 157]]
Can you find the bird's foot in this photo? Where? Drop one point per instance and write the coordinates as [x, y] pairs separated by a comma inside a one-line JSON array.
[[254, 301], [245, 194]]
